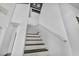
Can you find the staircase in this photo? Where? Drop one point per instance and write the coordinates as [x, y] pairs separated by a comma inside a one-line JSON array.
[[34, 45]]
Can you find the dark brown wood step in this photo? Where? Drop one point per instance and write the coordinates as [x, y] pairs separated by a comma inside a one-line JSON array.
[[33, 33], [34, 44], [8, 54], [34, 36], [35, 50], [33, 40]]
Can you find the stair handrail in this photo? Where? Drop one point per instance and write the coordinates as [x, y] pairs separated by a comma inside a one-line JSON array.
[[54, 33]]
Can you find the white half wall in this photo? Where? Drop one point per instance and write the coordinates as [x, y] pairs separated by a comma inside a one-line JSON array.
[[6, 11], [20, 16]]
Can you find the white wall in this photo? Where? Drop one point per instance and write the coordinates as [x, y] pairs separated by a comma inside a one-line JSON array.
[[51, 19], [34, 18], [69, 14], [5, 18]]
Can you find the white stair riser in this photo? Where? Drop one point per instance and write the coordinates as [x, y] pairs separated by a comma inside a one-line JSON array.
[[33, 42], [34, 47]]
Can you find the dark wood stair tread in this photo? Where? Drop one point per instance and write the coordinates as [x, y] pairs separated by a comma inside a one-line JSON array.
[[33, 36], [8, 54], [33, 40], [34, 44], [33, 33], [35, 50]]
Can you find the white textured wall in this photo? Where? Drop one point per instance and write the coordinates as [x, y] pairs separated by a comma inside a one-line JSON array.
[[5, 18], [34, 19], [51, 19], [69, 14]]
